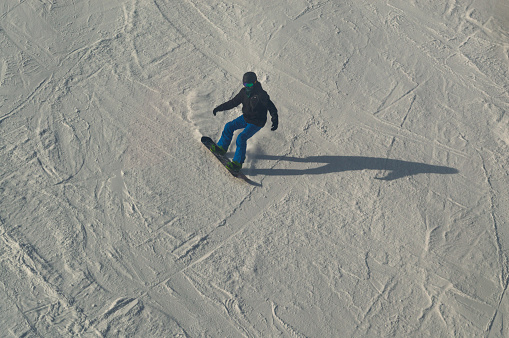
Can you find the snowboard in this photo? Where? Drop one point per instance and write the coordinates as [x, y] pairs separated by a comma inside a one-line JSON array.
[[207, 142]]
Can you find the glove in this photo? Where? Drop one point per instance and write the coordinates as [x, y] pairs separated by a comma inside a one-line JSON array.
[[275, 124], [215, 111]]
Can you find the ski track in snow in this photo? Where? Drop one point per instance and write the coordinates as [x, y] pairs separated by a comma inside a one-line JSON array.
[[376, 209]]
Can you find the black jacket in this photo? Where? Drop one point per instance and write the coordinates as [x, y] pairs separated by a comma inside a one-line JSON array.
[[254, 106]]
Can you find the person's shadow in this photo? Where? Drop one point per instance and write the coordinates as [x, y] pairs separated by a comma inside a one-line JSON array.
[[334, 164]]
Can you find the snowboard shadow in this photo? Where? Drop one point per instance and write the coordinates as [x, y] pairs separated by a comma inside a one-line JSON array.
[[335, 164]]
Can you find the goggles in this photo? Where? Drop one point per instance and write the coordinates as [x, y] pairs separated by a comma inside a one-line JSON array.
[[248, 85]]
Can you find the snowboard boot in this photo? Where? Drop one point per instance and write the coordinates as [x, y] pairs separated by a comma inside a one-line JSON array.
[[217, 149], [234, 166]]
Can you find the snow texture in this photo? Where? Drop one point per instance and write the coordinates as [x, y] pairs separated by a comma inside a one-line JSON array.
[[378, 208]]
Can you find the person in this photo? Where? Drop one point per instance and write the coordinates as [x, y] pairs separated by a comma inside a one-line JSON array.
[[255, 104]]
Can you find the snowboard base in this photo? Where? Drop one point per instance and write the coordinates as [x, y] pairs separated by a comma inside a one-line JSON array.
[[207, 142]]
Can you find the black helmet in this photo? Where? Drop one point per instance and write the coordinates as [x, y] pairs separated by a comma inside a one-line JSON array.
[[249, 77]]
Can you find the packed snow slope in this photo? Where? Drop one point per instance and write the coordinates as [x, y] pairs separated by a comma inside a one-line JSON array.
[[378, 208]]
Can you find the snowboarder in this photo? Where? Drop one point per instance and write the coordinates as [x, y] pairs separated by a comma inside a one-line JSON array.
[[255, 104]]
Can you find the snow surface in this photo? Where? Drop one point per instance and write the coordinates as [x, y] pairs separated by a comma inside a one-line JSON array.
[[378, 208]]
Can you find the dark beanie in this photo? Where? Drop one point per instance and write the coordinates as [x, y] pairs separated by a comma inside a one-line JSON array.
[[249, 77]]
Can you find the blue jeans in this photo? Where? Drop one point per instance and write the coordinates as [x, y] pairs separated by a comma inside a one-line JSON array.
[[246, 134]]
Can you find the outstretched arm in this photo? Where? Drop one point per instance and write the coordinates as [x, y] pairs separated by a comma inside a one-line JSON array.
[[229, 104]]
